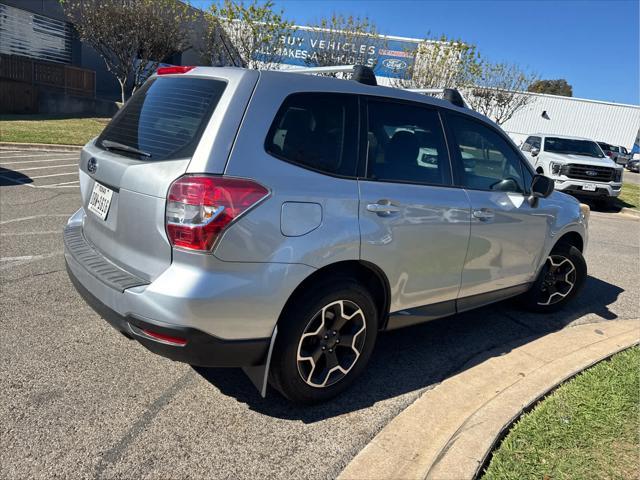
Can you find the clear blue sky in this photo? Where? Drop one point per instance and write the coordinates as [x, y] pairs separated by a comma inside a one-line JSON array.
[[593, 44]]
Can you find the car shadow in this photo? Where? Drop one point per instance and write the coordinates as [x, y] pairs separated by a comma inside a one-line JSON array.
[[10, 177], [614, 206], [417, 358]]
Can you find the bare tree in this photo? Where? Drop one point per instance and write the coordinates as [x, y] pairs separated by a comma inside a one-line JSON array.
[[251, 35], [497, 91], [441, 63], [131, 36], [342, 40]]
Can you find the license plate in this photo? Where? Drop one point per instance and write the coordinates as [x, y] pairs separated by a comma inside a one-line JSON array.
[[589, 187], [100, 200]]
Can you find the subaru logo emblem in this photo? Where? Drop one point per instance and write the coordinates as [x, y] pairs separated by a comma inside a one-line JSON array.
[[92, 165], [591, 173]]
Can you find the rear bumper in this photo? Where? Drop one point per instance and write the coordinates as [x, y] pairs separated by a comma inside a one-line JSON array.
[[200, 349], [226, 311]]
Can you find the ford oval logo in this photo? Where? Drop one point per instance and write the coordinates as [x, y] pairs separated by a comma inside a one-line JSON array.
[[394, 64], [591, 173], [92, 165]]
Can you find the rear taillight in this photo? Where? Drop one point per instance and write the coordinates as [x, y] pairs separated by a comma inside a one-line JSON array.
[[200, 207], [174, 69]]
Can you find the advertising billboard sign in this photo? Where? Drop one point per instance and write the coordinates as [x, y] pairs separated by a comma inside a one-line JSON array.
[[388, 56]]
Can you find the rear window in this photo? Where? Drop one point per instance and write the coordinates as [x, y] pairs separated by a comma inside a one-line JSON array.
[[164, 119], [318, 131]]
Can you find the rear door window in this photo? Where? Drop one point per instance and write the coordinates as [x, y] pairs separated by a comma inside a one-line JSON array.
[[405, 143], [164, 119], [318, 131]]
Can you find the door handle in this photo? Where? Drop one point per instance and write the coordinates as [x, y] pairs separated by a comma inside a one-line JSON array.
[[383, 208], [483, 214]]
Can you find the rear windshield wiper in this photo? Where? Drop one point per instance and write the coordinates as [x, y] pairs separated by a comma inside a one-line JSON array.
[[110, 145]]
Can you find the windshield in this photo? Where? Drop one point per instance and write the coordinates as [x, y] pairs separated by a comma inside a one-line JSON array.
[[164, 119], [572, 146]]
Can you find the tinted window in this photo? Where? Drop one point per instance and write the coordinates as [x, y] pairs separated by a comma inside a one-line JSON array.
[[573, 146], [317, 130], [489, 162], [530, 143], [406, 144], [165, 117]]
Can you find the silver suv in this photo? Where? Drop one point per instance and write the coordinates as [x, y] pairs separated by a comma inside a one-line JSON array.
[[278, 221]]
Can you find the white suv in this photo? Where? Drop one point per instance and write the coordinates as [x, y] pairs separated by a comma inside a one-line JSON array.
[[577, 165]]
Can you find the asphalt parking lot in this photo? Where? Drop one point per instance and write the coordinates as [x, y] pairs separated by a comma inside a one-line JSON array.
[[79, 400]]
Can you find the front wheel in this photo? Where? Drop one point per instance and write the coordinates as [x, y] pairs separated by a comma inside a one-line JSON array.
[[560, 279], [325, 339]]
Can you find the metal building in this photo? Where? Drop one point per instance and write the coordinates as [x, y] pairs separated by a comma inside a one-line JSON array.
[[613, 123]]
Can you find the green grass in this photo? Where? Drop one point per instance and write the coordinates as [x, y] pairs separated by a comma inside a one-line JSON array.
[[57, 129], [587, 429], [630, 196]]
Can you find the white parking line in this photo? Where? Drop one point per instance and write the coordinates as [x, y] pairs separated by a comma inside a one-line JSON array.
[[28, 183], [62, 184], [36, 161], [56, 185], [46, 166], [19, 234], [18, 261], [42, 154], [55, 175], [35, 217]]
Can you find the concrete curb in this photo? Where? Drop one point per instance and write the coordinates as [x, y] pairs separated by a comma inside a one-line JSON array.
[[450, 431], [39, 147], [630, 211]]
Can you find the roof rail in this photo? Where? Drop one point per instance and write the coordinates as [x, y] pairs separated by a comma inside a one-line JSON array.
[[330, 69], [365, 75], [452, 95], [361, 73]]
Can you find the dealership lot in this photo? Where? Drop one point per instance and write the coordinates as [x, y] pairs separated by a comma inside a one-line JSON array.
[[78, 399]]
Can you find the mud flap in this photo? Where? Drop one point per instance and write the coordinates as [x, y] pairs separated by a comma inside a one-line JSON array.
[[259, 374]]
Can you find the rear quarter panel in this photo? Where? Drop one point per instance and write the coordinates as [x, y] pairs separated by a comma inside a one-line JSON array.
[[331, 235]]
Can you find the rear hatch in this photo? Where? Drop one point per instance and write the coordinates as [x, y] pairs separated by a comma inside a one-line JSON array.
[[170, 122]]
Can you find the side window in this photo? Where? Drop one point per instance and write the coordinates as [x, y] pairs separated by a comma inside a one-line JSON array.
[[488, 161], [318, 131], [530, 143], [406, 144]]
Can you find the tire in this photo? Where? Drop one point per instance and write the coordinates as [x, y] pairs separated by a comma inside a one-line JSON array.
[[570, 268], [312, 376]]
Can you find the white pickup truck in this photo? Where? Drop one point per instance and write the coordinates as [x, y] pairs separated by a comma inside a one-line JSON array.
[[577, 165]]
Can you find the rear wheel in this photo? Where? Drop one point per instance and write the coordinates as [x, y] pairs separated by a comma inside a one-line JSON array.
[[325, 339], [560, 279]]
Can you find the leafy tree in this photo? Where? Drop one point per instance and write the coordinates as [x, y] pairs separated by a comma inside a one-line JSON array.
[[442, 63], [497, 90], [342, 40], [246, 35], [552, 87], [132, 36]]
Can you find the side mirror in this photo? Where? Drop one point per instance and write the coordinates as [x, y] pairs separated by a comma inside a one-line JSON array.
[[534, 151], [541, 187]]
